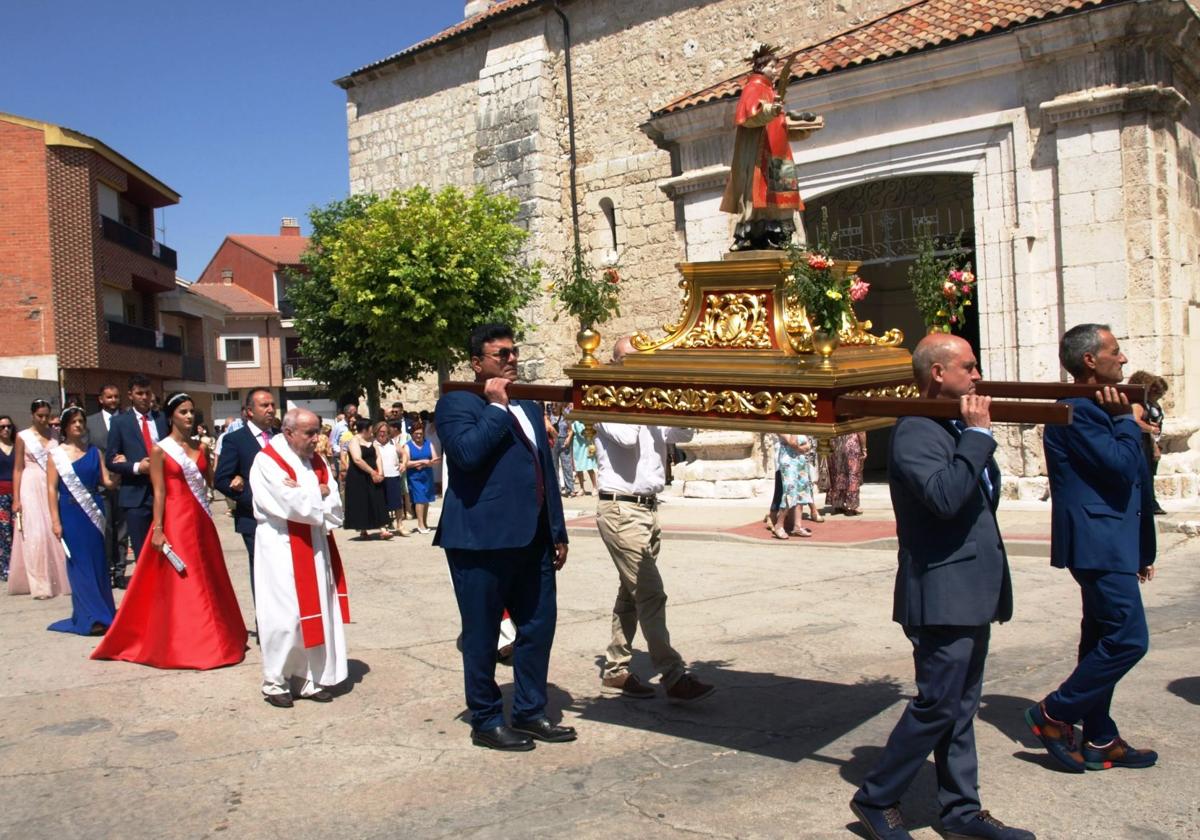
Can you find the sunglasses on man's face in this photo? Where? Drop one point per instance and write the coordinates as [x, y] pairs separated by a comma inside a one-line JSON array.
[[505, 353]]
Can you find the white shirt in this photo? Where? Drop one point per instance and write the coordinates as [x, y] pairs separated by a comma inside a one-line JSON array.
[[137, 416], [389, 459], [522, 418], [258, 435], [629, 459], [108, 416]]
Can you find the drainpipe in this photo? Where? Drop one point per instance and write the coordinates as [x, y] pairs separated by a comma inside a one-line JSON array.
[[570, 129]]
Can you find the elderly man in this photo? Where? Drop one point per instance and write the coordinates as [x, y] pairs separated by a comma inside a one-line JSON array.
[[505, 538], [952, 582], [1102, 529], [631, 475], [301, 602]]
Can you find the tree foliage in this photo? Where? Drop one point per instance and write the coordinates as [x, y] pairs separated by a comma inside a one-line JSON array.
[[403, 280]]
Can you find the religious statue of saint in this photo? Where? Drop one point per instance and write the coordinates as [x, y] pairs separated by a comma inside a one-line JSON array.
[[762, 190]]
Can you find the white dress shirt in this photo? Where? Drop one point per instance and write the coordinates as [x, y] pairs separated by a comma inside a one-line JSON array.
[[258, 435], [389, 459], [108, 416], [630, 458], [523, 418], [137, 416]]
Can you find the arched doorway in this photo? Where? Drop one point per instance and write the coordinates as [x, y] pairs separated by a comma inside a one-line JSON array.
[[878, 224]]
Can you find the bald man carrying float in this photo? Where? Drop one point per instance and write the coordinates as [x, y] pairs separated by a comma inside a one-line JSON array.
[[952, 583], [301, 600]]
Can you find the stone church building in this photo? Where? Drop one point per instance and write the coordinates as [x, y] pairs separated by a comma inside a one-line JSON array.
[[1058, 137]]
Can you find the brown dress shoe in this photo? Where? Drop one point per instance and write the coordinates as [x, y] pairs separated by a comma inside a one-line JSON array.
[[626, 684], [279, 701], [688, 689]]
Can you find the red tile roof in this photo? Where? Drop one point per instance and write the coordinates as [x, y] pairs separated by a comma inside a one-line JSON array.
[[281, 250], [239, 301], [920, 25], [477, 21]]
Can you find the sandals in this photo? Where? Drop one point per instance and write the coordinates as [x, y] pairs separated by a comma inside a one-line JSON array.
[[779, 533], [767, 523], [801, 532]]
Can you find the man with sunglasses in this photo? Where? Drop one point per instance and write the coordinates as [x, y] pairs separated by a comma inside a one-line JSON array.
[[505, 538]]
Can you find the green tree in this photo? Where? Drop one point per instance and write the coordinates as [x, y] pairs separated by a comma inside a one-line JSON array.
[[417, 270], [335, 355]]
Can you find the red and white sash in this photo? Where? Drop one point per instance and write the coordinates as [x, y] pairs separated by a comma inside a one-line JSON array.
[[304, 566]]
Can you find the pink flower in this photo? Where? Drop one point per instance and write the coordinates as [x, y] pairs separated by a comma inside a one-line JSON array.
[[858, 288], [956, 275], [818, 262], [953, 319], [949, 290], [966, 289]]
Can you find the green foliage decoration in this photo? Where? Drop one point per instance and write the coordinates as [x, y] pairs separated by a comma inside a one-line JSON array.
[[943, 286], [587, 293]]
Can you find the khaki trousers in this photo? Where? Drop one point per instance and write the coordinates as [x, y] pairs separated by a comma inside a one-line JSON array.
[[633, 538]]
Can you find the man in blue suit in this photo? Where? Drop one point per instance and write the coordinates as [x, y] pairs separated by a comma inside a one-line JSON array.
[[1102, 529], [131, 436], [505, 537], [952, 582], [238, 451]]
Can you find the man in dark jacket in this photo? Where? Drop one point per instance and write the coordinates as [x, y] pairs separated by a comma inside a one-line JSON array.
[[1102, 529], [116, 541], [238, 451], [131, 436], [952, 583]]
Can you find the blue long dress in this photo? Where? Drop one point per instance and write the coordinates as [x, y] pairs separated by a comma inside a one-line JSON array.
[[87, 567]]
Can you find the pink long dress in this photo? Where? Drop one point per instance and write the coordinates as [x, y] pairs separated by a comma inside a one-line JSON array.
[[38, 566]]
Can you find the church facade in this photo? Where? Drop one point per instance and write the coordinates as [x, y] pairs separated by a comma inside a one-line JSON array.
[[1059, 139]]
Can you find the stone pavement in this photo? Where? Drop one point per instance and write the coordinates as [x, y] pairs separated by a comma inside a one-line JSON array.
[[811, 676]]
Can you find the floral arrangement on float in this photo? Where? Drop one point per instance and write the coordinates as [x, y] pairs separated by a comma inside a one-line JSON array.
[[943, 286], [590, 295], [825, 287]]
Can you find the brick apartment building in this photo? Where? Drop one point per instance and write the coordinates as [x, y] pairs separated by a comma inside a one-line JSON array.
[[90, 295], [258, 343]]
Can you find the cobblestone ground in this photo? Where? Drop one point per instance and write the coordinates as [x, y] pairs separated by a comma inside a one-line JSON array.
[[811, 677]]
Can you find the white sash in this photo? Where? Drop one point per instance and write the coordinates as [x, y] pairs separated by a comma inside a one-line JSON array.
[[191, 472], [81, 494], [39, 452]]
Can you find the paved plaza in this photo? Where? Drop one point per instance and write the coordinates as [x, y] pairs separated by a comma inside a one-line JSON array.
[[811, 676]]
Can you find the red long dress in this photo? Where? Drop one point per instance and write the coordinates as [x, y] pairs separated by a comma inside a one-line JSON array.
[[173, 620]]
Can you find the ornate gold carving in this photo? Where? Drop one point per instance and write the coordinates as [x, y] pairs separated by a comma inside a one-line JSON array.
[[854, 332], [908, 391], [733, 319], [699, 401], [643, 342]]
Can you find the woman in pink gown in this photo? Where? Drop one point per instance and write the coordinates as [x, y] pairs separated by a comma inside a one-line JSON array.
[[38, 566], [170, 618]]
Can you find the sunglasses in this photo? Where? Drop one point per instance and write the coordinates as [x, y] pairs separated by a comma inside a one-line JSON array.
[[505, 353], [4, 426]]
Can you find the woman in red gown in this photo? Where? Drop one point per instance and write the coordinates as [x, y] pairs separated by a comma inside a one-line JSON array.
[[172, 619]]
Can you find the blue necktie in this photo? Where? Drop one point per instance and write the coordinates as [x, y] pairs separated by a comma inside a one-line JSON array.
[[984, 478]]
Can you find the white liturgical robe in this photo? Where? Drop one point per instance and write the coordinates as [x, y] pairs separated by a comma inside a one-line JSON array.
[[287, 664]]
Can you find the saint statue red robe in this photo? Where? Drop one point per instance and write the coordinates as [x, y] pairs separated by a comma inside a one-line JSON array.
[[762, 183]]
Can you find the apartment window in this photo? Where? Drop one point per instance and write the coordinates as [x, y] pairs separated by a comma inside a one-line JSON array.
[[240, 350]]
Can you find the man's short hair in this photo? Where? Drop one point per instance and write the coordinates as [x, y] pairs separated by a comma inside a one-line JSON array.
[[249, 403], [139, 380], [291, 418], [397, 405], [104, 388], [396, 424], [1078, 342], [485, 333], [349, 406]]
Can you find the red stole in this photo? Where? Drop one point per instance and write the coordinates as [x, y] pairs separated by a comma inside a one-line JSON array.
[[304, 566]]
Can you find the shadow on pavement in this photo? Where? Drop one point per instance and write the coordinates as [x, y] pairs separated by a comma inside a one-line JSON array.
[[1007, 713], [356, 669], [755, 712], [1187, 688]]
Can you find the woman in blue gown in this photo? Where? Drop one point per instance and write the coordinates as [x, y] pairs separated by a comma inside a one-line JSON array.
[[419, 466], [76, 469]]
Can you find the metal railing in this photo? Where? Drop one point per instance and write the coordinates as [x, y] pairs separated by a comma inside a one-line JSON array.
[[129, 335], [134, 240]]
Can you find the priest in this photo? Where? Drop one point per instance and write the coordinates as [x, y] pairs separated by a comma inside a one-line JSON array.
[[298, 578]]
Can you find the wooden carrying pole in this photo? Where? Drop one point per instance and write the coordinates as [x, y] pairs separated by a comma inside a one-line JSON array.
[[1052, 390], [517, 391], [1045, 413]]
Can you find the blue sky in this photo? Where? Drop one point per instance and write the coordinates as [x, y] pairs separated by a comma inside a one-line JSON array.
[[231, 104]]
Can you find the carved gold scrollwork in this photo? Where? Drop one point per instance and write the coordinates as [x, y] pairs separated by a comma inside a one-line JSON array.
[[853, 332], [908, 391], [733, 319], [699, 401], [643, 342]]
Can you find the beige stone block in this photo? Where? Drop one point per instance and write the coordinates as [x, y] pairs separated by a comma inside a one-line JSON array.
[[1032, 489], [714, 445], [1111, 282], [1109, 205], [703, 470], [1075, 209], [1074, 140], [1091, 244], [1090, 173], [720, 489], [1079, 283]]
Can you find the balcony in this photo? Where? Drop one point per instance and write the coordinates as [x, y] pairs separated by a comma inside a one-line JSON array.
[[193, 368], [128, 335], [129, 238]]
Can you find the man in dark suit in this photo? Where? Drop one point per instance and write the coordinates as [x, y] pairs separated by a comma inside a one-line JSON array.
[[232, 476], [116, 541], [1102, 529], [952, 582], [505, 537], [131, 436]]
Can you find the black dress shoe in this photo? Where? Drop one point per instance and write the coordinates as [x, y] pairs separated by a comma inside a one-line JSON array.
[[501, 738], [318, 696], [279, 701], [543, 730]]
